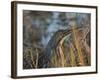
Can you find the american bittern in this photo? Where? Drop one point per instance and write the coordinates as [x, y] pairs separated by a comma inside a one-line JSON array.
[[55, 42]]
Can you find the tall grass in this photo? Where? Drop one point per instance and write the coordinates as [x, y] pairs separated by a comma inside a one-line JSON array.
[[59, 58], [31, 57]]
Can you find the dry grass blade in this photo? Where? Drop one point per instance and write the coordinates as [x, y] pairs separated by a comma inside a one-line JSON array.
[[61, 55], [72, 55], [37, 56], [77, 44]]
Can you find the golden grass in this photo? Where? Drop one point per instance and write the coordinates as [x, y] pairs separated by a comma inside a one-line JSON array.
[[72, 56], [77, 44], [59, 55]]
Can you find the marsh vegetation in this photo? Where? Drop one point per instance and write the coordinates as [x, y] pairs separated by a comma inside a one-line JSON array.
[[56, 39]]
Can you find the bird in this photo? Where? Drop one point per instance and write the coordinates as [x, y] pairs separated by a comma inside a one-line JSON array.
[[44, 58]]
